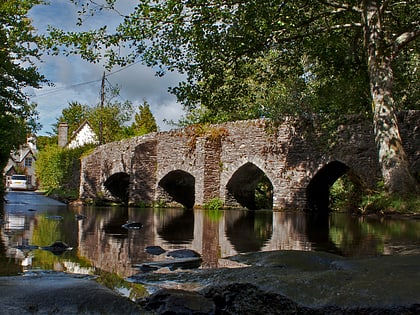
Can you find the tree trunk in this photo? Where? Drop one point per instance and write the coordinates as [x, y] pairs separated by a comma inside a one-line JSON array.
[[392, 158]]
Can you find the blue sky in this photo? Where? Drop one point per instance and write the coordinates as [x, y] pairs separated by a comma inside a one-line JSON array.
[[78, 80]]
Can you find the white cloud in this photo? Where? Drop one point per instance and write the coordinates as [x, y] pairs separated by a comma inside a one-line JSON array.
[[78, 80]]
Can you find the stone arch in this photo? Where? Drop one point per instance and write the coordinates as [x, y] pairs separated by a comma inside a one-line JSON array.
[[318, 194], [117, 184], [180, 186], [246, 183]]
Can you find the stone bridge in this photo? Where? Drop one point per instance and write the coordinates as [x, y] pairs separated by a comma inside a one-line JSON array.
[[288, 165]]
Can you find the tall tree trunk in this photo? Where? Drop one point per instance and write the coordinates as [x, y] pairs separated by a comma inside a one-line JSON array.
[[392, 158]]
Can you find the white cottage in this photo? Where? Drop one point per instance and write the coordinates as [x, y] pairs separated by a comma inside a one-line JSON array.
[[83, 135]]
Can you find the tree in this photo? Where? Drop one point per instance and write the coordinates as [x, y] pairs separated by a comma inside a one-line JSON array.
[[113, 116], [18, 51], [74, 115], [229, 49], [144, 122]]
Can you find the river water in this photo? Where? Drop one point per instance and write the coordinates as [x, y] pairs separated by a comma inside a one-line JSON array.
[[99, 243]]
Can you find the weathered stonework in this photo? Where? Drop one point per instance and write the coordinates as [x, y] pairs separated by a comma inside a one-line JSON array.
[[193, 169]]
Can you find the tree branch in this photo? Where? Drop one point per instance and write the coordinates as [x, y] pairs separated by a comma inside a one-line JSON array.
[[342, 6], [403, 39], [314, 32]]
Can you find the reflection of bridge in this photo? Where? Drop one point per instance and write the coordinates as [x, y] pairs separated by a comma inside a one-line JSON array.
[[102, 242], [229, 161]]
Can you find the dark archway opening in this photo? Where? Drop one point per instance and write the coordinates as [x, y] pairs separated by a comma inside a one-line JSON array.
[[180, 186], [318, 190], [117, 185], [251, 188]]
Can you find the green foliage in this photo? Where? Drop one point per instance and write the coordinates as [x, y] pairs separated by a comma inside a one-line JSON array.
[[213, 204], [251, 59], [48, 168], [380, 202], [45, 141], [18, 52], [58, 169], [264, 193], [144, 122], [74, 115], [107, 121], [345, 196], [161, 203], [112, 116]]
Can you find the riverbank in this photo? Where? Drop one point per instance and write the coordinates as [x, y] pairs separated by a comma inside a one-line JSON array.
[[276, 282]]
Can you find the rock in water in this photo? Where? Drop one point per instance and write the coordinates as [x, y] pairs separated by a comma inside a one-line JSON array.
[[183, 253], [155, 250], [171, 264], [169, 301], [133, 225], [57, 248]]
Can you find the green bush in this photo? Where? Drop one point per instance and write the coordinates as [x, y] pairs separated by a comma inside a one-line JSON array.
[[49, 168], [213, 204], [58, 169], [345, 196]]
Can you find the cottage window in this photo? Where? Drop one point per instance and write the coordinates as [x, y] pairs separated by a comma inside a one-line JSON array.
[[28, 162]]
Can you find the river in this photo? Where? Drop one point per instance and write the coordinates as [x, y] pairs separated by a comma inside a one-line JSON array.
[[98, 242]]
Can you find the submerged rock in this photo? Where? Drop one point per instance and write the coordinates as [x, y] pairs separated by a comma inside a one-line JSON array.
[[57, 248], [155, 250], [183, 253], [132, 225], [171, 264]]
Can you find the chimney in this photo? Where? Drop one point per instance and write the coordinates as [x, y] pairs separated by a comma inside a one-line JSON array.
[[62, 134]]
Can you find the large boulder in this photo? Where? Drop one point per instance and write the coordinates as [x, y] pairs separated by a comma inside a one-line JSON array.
[[60, 294]]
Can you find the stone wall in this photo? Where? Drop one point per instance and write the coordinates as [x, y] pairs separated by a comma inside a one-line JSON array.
[[225, 161]]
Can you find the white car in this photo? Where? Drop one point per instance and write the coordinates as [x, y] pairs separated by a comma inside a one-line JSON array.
[[17, 182]]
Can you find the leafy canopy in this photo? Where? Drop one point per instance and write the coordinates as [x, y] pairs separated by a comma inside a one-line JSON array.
[[18, 52], [247, 59]]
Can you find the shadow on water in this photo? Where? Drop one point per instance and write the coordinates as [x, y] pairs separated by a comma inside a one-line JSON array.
[[249, 231], [100, 244], [177, 227]]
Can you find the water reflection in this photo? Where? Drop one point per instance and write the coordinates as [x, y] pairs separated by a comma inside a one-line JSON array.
[[101, 244]]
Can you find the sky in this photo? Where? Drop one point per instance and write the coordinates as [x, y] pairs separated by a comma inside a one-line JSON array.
[[75, 80]]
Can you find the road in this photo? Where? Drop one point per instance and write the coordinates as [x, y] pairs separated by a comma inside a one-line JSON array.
[[29, 198]]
